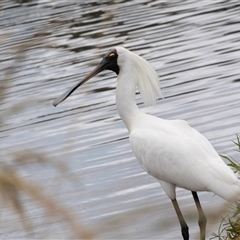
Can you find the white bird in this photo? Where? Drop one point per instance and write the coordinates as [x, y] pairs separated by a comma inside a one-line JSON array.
[[170, 150]]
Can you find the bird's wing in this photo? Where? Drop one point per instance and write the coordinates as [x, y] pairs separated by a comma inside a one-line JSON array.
[[184, 129], [181, 156]]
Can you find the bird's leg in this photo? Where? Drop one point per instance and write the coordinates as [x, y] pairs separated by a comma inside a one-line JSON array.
[[184, 226], [202, 221]]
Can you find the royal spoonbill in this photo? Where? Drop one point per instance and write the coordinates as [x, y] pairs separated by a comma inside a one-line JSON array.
[[170, 150]]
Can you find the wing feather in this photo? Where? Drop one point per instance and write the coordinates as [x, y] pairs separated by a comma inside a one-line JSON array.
[[182, 156]]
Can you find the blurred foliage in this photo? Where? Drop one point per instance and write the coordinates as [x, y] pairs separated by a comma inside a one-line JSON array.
[[17, 190], [229, 228]]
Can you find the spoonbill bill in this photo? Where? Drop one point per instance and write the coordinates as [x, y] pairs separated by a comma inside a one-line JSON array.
[[170, 150]]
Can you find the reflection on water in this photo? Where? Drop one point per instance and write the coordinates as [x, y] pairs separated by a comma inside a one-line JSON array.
[[193, 45]]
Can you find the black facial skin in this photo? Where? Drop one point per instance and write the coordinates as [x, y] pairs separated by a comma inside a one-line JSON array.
[[110, 61]]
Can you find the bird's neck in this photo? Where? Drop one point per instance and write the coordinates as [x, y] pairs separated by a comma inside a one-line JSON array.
[[125, 98]]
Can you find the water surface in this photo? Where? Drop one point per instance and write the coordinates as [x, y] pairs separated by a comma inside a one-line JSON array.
[[194, 47]]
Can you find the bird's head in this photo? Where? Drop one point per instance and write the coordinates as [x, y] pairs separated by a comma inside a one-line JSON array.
[[109, 62], [114, 60]]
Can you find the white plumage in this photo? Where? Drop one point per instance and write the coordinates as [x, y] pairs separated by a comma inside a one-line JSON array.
[[170, 150], [183, 159]]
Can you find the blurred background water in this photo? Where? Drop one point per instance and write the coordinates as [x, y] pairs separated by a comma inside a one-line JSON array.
[[194, 47]]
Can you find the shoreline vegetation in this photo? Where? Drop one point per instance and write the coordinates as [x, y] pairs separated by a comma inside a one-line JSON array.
[[229, 228]]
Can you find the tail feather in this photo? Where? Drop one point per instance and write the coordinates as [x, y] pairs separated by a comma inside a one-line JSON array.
[[229, 192]]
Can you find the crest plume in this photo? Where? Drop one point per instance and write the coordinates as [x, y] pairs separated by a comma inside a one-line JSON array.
[[147, 81]]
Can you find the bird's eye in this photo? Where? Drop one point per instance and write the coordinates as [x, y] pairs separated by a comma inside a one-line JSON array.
[[111, 55]]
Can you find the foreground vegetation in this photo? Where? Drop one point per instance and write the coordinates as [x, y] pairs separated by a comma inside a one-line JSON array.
[[229, 228]]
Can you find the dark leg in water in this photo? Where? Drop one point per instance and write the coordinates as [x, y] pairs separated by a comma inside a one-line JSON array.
[[202, 220], [184, 226]]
